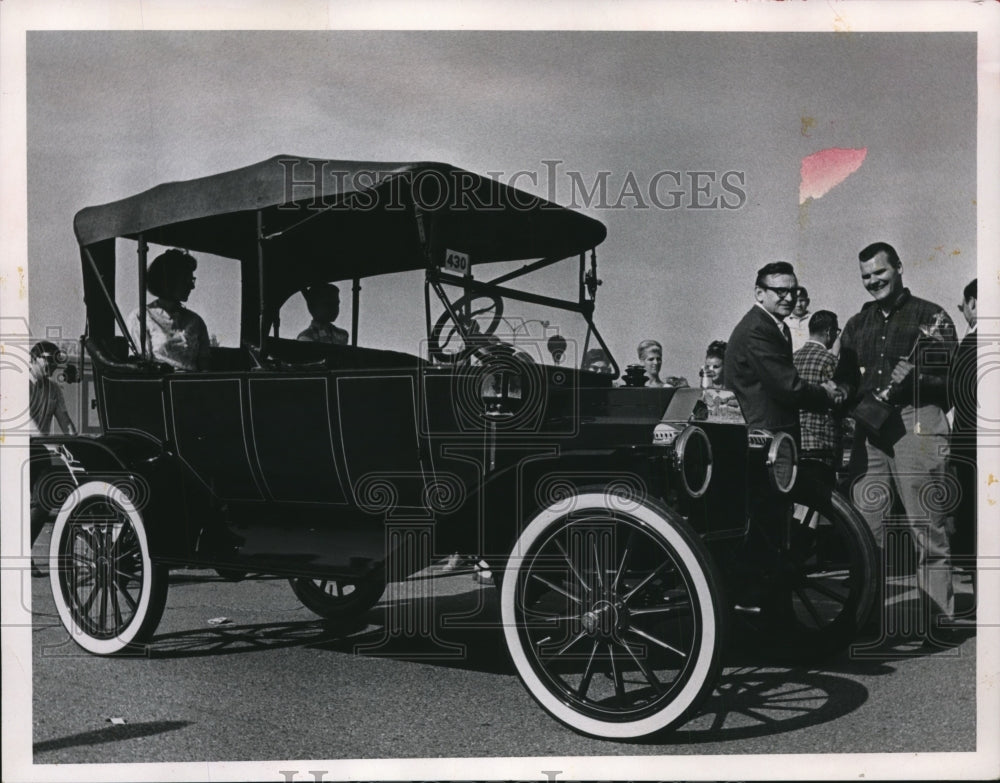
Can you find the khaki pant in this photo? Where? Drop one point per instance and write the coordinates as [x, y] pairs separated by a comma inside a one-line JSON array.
[[914, 470]]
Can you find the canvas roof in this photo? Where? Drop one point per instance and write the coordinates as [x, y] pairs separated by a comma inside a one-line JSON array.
[[334, 219]]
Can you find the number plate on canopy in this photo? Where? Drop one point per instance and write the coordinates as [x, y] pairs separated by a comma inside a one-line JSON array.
[[455, 261]]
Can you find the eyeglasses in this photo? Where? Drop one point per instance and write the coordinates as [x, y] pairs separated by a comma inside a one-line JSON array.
[[782, 293]]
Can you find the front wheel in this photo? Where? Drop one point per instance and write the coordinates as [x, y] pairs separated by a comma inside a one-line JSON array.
[[109, 594], [823, 581], [613, 614]]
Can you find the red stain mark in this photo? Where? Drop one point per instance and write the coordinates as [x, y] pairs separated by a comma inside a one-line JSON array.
[[825, 169]]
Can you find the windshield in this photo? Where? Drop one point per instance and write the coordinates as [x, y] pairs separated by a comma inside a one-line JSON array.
[[544, 332]]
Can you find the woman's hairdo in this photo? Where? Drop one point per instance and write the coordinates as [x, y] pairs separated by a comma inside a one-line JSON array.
[[716, 348], [645, 345], [166, 268]]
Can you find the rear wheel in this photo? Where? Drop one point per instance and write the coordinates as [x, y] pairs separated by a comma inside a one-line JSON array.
[[613, 615], [339, 599], [109, 594]]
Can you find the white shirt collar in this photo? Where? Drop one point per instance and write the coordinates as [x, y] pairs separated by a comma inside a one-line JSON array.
[[777, 321]]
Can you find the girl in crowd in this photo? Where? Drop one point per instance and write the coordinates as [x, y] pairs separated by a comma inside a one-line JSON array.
[[711, 372], [651, 355]]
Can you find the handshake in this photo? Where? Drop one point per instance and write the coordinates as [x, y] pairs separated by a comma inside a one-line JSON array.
[[834, 393]]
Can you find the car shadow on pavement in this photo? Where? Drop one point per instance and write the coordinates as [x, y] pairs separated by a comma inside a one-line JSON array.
[[758, 701], [457, 631], [112, 733], [756, 696], [460, 630]]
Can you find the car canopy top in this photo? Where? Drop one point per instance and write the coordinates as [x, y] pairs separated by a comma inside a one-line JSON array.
[[311, 220]]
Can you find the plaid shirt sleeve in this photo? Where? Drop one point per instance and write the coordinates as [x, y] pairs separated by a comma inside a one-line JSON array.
[[820, 431]]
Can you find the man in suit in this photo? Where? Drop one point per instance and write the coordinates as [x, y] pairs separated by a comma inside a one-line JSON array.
[[758, 365], [963, 397]]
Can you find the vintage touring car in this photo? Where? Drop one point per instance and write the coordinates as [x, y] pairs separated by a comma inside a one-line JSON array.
[[626, 527]]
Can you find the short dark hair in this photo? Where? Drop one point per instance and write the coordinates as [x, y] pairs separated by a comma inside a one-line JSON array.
[[970, 291], [802, 292], [774, 268], [44, 348], [880, 247], [716, 348], [166, 267], [318, 293], [821, 321]]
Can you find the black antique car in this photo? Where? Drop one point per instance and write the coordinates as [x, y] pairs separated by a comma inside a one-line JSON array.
[[625, 527]]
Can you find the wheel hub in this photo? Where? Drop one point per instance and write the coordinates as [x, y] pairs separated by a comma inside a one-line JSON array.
[[604, 619]]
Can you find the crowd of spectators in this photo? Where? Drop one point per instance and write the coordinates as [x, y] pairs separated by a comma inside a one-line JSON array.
[[796, 371]]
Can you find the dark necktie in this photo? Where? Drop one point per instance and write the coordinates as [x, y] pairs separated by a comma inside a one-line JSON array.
[[786, 333]]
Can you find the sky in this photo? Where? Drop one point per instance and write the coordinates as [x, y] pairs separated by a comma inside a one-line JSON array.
[[110, 114]]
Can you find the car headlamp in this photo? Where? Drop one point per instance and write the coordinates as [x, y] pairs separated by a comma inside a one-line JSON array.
[[692, 460], [781, 458]]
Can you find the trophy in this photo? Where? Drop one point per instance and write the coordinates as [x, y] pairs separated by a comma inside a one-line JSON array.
[[874, 410]]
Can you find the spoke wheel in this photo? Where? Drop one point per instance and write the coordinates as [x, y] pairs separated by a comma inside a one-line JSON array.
[[825, 584], [339, 599], [613, 615], [109, 594]]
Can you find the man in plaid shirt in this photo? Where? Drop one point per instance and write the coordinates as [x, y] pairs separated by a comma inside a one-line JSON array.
[[822, 434], [902, 346]]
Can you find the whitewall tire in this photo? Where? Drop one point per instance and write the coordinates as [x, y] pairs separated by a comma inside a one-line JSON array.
[[613, 614], [107, 591]]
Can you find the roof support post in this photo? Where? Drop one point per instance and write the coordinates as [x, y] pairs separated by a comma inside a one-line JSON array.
[[143, 254], [107, 295], [261, 321], [427, 314], [355, 306]]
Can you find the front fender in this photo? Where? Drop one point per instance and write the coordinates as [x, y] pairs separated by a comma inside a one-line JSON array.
[[137, 466]]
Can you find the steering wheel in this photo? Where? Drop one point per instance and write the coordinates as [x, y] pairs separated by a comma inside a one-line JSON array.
[[449, 345]]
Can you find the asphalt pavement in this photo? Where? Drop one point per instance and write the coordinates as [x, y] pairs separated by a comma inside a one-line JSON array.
[[242, 671]]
